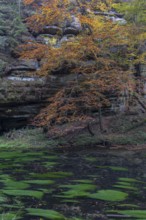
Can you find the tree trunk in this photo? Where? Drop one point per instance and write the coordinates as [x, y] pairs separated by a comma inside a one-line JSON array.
[[100, 119]]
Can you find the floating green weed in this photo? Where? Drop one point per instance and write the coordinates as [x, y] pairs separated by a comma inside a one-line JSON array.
[[30, 193], [126, 179], [91, 159], [79, 187], [9, 155], [128, 205], [125, 187], [12, 206], [33, 154], [70, 201], [9, 216], [83, 181], [50, 157], [4, 166], [77, 190], [49, 164], [4, 176], [49, 214], [109, 195], [133, 213], [39, 182], [26, 159], [118, 168], [52, 175], [124, 183], [11, 184], [113, 168]]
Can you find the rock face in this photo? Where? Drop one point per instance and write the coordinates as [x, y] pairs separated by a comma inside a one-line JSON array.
[[19, 101], [21, 66], [22, 96]]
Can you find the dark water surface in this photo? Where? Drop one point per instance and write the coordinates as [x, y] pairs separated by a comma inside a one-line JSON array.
[[39, 185]]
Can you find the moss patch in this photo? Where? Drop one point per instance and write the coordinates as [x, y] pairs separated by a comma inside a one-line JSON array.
[[26, 138]]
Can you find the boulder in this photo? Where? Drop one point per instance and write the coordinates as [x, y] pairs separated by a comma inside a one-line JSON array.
[[70, 30], [121, 21], [21, 66], [68, 37], [75, 23], [53, 30], [47, 39]]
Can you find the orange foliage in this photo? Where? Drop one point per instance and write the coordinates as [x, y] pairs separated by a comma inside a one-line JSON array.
[[47, 13], [101, 54], [28, 2]]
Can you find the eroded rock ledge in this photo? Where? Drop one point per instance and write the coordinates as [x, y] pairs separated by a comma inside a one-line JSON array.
[[21, 94]]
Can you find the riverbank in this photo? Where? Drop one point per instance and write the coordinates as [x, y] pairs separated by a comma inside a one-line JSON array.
[[25, 138], [122, 131], [122, 135]]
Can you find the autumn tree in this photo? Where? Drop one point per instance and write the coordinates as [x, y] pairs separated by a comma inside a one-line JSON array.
[[100, 57]]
